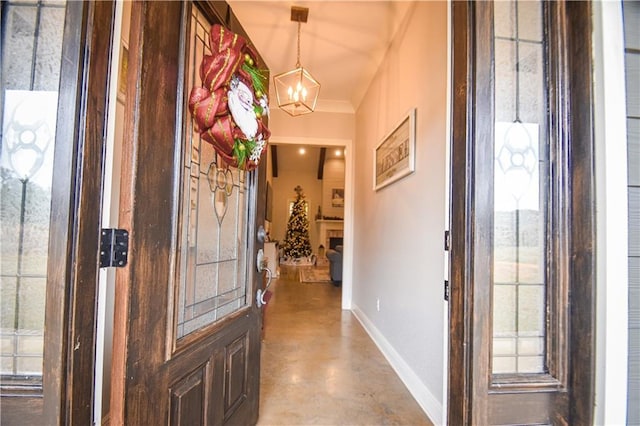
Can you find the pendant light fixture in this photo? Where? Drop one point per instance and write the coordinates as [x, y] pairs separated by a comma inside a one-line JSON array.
[[297, 91]]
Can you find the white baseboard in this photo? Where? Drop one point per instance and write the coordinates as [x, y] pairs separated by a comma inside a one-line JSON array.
[[416, 387]]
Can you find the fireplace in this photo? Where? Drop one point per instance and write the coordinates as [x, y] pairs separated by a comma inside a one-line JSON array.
[[334, 242], [330, 233]]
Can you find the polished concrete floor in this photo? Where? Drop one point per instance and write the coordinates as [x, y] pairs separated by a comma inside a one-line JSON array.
[[319, 366]]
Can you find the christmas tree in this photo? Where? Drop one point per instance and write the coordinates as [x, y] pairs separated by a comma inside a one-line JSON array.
[[296, 241]]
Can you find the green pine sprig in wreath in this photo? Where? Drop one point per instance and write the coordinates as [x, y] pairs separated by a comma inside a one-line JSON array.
[[258, 76], [242, 149]]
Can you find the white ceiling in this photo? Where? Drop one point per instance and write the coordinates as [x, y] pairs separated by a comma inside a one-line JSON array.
[[341, 45]]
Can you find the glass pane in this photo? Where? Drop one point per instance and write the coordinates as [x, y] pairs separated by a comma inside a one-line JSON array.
[[529, 20], [47, 72], [18, 41], [520, 195], [503, 17], [213, 273], [31, 53]]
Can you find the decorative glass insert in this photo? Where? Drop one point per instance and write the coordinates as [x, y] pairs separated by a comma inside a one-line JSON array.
[[31, 54], [213, 274], [520, 193]]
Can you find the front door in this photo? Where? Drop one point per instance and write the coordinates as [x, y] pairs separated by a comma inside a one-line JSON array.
[[187, 327], [522, 224]]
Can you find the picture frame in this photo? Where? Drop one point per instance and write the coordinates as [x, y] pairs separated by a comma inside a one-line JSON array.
[[337, 197], [394, 157]]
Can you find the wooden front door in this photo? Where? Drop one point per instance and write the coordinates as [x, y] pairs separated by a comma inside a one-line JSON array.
[[522, 224], [187, 327]]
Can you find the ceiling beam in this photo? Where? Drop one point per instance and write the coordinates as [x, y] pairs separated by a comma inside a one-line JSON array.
[[323, 153], [274, 160]]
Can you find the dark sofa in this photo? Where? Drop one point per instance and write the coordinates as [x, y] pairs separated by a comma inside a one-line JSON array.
[[335, 264]]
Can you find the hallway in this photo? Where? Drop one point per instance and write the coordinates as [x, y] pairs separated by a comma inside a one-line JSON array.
[[320, 367]]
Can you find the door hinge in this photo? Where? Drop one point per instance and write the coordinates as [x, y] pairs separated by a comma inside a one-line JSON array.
[[447, 240], [114, 247], [446, 290]]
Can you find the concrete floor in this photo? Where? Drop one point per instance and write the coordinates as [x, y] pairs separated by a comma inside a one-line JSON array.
[[319, 366]]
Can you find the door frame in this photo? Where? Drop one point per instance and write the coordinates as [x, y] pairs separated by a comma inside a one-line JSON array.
[[74, 241], [467, 98], [613, 267]]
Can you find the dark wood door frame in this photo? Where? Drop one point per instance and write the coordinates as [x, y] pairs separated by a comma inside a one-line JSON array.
[[582, 214], [72, 281], [470, 99]]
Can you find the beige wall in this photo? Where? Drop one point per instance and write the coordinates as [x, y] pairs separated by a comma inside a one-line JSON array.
[[398, 266]]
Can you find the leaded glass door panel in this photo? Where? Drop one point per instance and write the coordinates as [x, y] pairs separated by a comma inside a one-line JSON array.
[[215, 212]]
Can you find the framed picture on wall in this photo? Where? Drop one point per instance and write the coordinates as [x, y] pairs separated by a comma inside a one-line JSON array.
[[337, 197], [394, 157]]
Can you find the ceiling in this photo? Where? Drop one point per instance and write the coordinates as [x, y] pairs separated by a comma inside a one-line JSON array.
[[341, 45]]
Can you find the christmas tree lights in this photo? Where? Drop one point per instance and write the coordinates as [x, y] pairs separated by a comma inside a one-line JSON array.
[[296, 243]]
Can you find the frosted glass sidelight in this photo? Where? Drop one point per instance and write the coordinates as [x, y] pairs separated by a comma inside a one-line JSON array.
[[31, 54], [520, 193]]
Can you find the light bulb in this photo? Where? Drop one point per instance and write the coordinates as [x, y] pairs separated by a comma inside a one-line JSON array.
[[290, 92], [304, 93]]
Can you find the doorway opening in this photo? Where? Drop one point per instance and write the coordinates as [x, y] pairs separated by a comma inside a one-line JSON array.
[[324, 170]]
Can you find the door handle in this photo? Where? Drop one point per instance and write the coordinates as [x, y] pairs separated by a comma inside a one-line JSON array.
[[261, 293], [262, 234]]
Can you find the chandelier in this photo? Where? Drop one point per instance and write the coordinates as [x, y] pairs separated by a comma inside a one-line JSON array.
[[297, 91]]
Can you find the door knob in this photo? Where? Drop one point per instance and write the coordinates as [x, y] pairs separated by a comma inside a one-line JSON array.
[[262, 234], [262, 267]]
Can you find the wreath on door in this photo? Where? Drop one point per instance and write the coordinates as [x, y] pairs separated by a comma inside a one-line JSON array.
[[229, 107]]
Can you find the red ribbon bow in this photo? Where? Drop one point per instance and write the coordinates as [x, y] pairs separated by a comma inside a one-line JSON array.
[[209, 104]]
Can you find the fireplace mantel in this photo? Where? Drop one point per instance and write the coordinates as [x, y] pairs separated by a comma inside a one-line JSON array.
[[329, 229]]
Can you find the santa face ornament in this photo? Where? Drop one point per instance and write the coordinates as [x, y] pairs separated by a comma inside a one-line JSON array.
[[241, 107], [229, 107]]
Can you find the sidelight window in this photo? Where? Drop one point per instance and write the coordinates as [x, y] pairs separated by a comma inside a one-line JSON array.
[[521, 193], [31, 54]]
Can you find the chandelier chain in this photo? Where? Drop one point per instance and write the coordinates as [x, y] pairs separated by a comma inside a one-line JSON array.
[[298, 61]]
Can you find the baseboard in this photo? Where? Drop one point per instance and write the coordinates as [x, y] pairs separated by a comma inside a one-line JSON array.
[[416, 387]]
